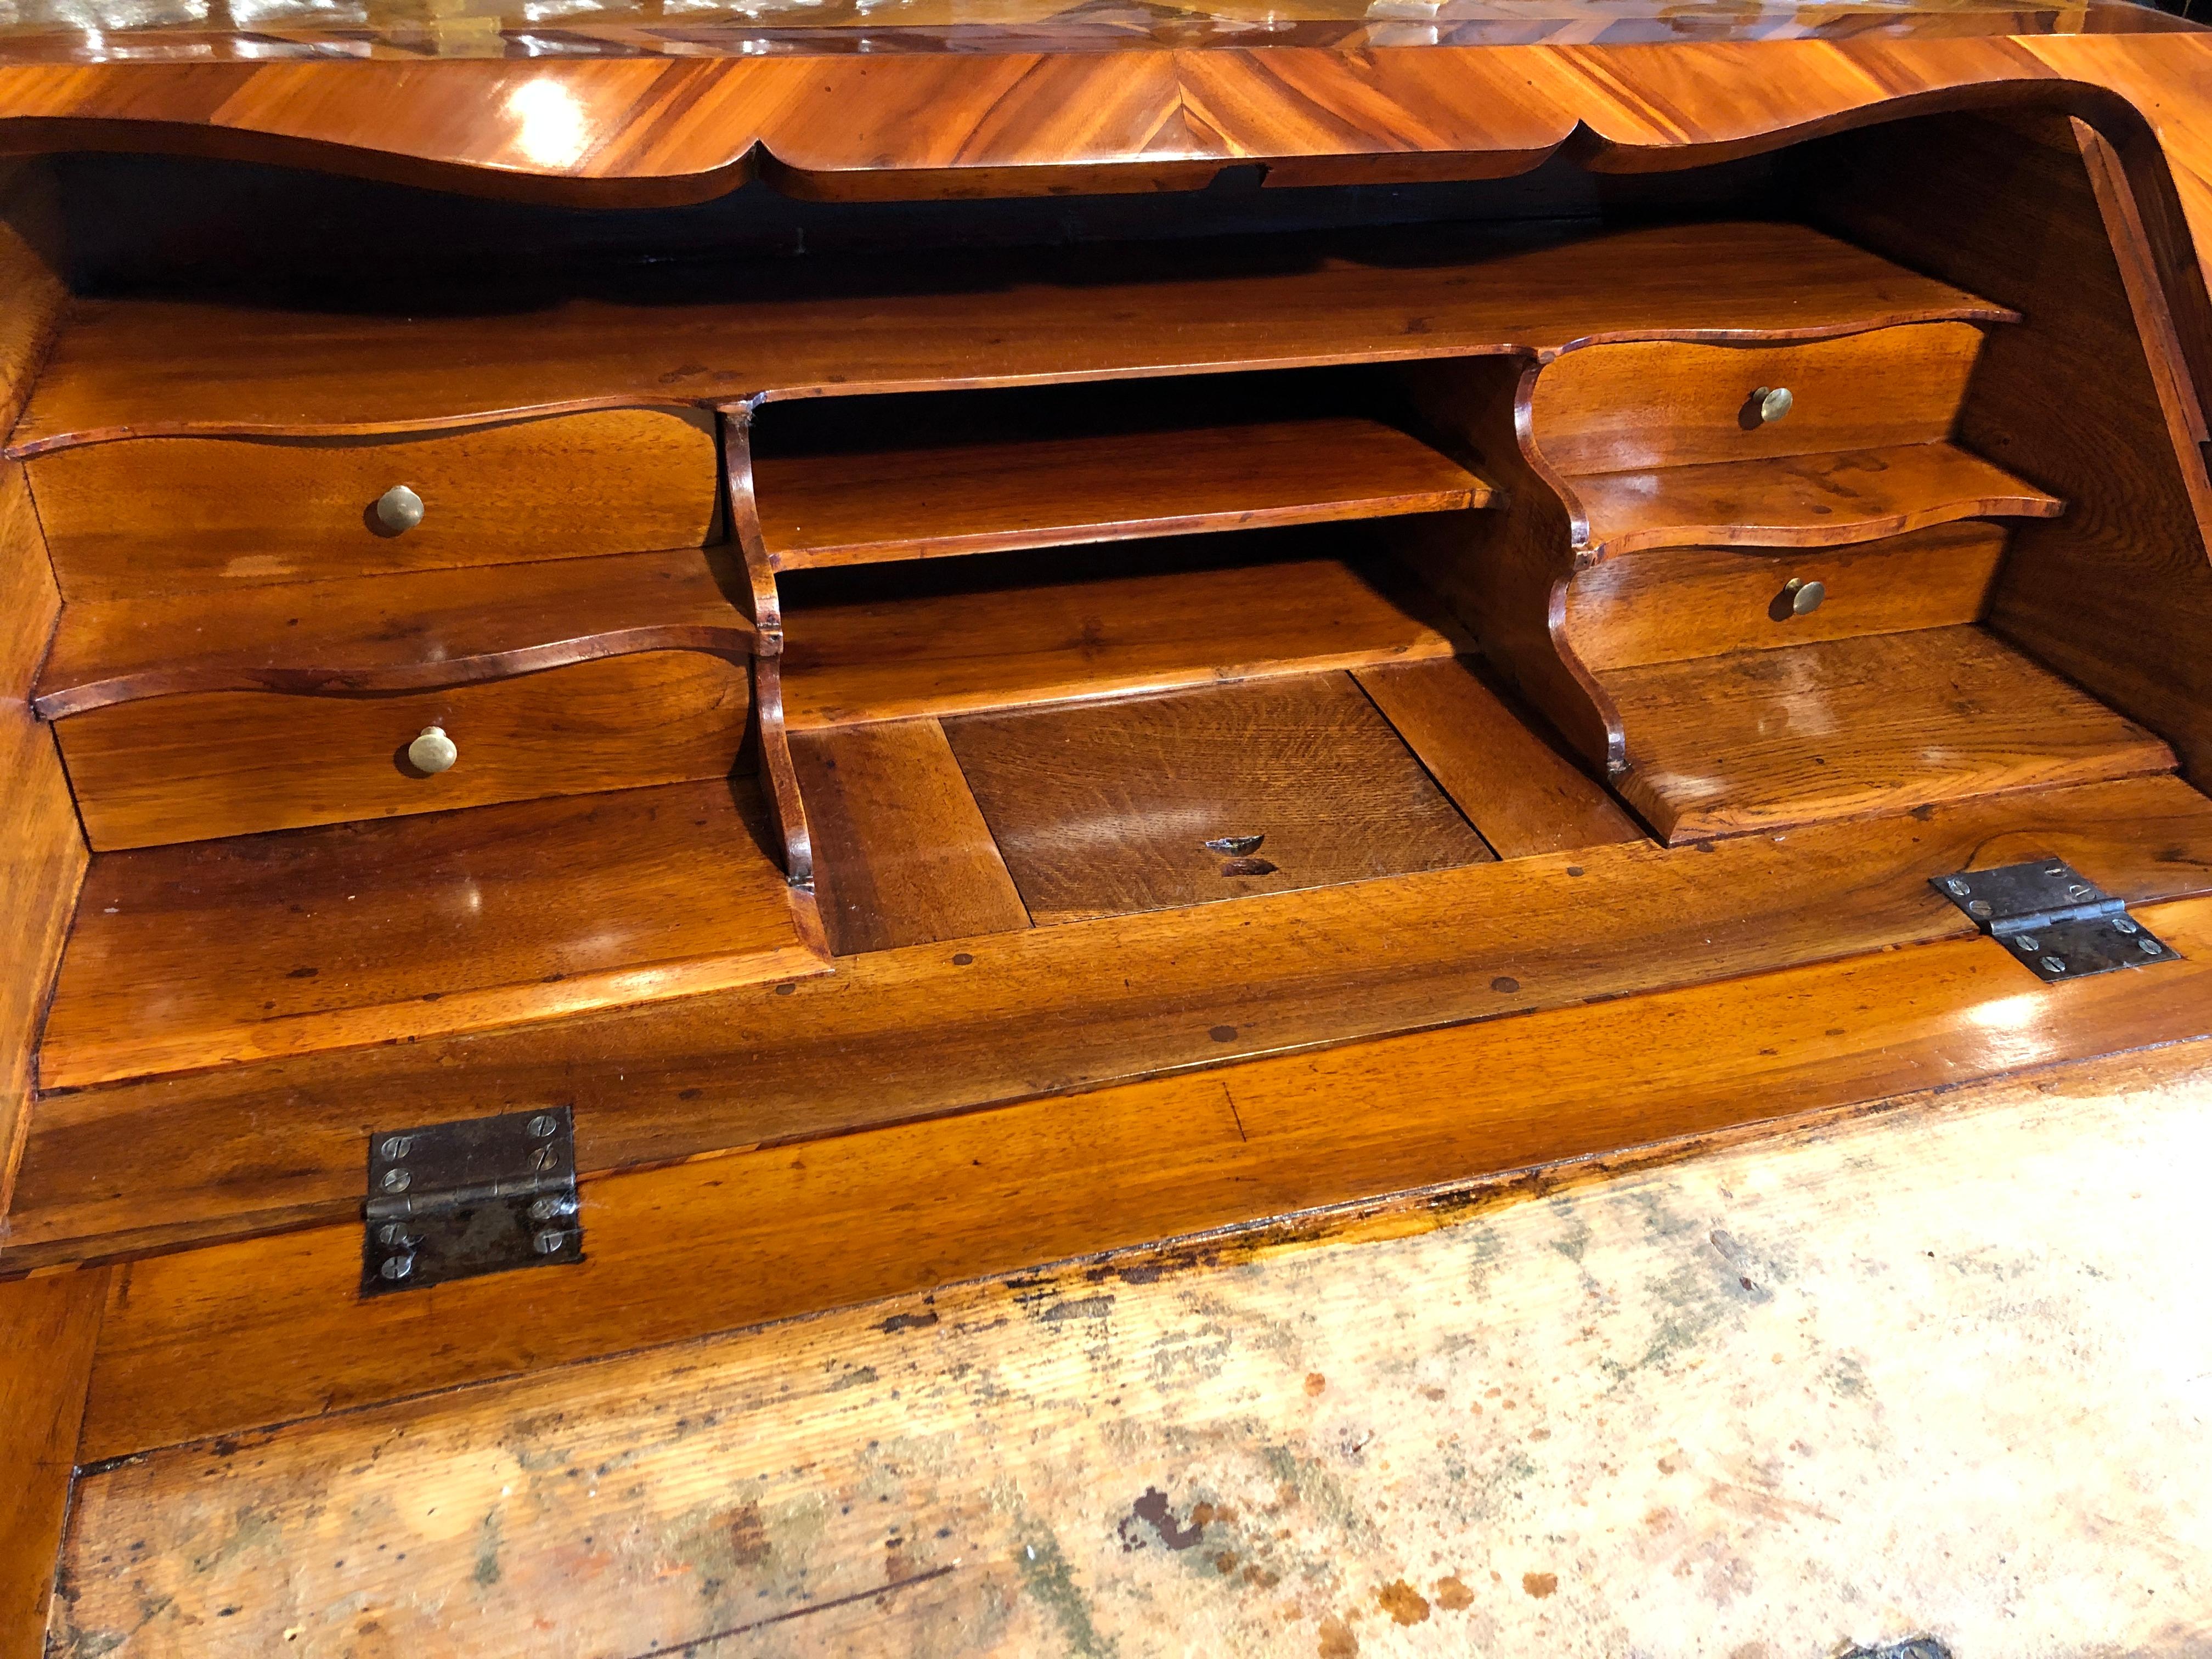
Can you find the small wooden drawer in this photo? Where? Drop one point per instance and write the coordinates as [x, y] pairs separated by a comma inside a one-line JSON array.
[[193, 766], [1667, 606], [141, 515], [1664, 403]]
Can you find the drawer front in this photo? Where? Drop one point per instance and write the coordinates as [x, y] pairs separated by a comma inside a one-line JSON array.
[[1672, 604], [1626, 408], [167, 514], [235, 762]]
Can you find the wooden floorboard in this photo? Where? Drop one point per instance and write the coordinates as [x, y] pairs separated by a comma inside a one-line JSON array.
[[272, 1329], [906, 1034]]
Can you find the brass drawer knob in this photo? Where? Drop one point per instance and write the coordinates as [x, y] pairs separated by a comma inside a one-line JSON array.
[[398, 509], [1772, 403], [1804, 597], [434, 752]]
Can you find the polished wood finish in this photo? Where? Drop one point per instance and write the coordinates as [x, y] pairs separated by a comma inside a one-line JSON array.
[[1663, 606], [42, 851], [1511, 779], [221, 951], [907, 1034], [903, 854], [856, 506], [238, 762], [1664, 404], [779, 772], [2117, 594], [145, 367], [1505, 574], [173, 514], [442, 627], [1106, 810], [721, 1244], [1801, 501], [1772, 740], [48, 1329], [947, 653]]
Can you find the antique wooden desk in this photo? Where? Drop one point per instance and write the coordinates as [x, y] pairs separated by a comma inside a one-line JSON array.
[[670, 667]]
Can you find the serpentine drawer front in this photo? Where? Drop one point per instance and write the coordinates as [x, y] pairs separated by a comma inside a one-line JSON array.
[[169, 513], [233, 762]]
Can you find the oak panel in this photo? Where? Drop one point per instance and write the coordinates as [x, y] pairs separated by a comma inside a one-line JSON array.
[[439, 628], [170, 514], [901, 855], [1769, 739], [273, 1329], [150, 366], [238, 762], [855, 506], [1631, 407], [1666, 604], [48, 1330], [903, 1035], [1102, 811], [217, 952], [1801, 501], [941, 653], [1516, 786]]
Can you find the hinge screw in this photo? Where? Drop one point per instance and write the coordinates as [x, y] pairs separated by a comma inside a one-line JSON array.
[[548, 1242], [544, 1158], [1957, 887], [2150, 947], [2027, 947], [2125, 926], [2054, 964], [393, 1235], [397, 1181], [396, 1146], [397, 1267], [1979, 910], [553, 1208], [543, 1125]]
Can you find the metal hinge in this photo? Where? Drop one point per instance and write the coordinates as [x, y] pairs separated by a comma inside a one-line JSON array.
[[2059, 924], [453, 1201]]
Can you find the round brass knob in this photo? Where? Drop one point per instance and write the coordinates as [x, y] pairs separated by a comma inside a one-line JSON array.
[[434, 752], [1774, 402], [1805, 597], [398, 509]]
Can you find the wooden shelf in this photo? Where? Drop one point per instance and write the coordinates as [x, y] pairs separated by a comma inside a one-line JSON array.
[[130, 366], [393, 633], [859, 506], [947, 653], [1763, 740], [1801, 501], [217, 953]]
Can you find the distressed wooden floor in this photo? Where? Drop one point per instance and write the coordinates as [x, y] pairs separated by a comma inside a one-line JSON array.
[[1944, 1371]]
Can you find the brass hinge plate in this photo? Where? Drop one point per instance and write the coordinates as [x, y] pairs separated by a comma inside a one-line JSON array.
[[484, 1195]]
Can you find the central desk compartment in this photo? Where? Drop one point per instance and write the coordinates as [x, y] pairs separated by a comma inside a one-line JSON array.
[[880, 689]]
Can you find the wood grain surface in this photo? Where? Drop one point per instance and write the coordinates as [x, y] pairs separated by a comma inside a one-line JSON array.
[[1667, 605], [441, 628], [1104, 810], [908, 1034], [1378, 1427], [217, 763], [275, 1331], [1500, 767], [147, 367], [217, 953], [1801, 501], [171, 514], [2117, 594], [860, 506], [903, 855], [1636, 408], [1768, 739], [1037, 639], [48, 1329]]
